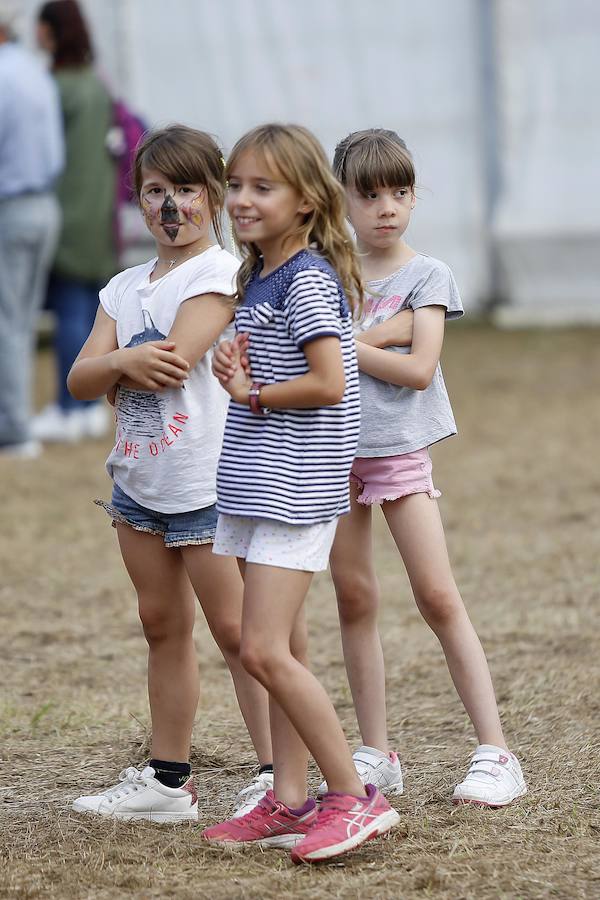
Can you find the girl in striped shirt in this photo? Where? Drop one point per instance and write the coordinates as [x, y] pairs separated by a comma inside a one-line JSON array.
[[282, 483]]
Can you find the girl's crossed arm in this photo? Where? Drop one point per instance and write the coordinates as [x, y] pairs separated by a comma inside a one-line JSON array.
[[101, 364], [396, 331], [153, 365], [323, 385], [415, 369]]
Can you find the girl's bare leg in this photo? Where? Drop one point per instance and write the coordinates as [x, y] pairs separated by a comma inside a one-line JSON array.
[[357, 591], [273, 598], [416, 527], [290, 764], [167, 608], [219, 588]]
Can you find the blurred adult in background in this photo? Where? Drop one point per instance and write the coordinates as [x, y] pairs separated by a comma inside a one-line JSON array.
[[31, 157], [86, 254]]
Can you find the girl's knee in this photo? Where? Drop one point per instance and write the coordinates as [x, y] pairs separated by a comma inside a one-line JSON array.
[[261, 661], [439, 606], [357, 597], [227, 635], [160, 624]]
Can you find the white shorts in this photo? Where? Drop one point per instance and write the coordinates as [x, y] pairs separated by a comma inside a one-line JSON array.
[[273, 543]]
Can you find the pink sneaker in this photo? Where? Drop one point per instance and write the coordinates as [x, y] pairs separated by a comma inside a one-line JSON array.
[[345, 822], [269, 824]]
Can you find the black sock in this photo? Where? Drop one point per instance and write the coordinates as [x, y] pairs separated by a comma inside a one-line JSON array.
[[171, 774], [268, 767]]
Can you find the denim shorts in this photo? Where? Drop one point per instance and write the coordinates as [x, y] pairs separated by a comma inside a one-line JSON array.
[[178, 529]]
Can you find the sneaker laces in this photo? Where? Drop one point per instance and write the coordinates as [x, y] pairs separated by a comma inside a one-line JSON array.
[[130, 780], [329, 809], [259, 785], [256, 812]]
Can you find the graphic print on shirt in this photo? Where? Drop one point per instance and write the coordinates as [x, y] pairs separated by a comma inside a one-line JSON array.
[[142, 414], [376, 309]]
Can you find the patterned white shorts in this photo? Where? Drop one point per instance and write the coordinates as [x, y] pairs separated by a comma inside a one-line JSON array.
[[272, 543]]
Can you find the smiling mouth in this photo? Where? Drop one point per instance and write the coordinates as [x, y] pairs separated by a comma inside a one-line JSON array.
[[246, 220]]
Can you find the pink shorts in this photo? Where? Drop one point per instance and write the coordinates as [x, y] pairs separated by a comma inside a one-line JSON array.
[[382, 478]]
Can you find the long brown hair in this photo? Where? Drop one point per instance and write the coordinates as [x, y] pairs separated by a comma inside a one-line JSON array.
[[295, 153], [185, 156], [72, 42], [374, 158]]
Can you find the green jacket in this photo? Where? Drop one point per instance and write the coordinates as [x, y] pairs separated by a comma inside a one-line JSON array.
[[87, 187]]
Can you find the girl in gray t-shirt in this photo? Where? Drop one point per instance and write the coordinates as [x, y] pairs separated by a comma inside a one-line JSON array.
[[405, 408]]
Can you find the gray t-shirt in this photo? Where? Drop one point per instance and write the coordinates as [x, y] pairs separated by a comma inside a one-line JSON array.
[[397, 419]]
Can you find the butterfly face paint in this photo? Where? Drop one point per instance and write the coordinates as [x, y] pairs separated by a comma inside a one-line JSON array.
[[178, 211]]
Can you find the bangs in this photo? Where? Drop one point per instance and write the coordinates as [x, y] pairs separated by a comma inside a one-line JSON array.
[[380, 163], [180, 164]]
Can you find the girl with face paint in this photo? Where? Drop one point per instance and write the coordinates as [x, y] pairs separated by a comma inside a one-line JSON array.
[[150, 350]]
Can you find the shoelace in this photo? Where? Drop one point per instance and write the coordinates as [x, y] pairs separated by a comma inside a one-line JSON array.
[[328, 810], [255, 812], [129, 781], [259, 784]]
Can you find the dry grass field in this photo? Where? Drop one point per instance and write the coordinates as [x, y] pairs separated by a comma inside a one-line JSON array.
[[521, 503]]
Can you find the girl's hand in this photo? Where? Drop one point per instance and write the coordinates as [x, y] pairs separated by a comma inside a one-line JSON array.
[[223, 366], [154, 365], [238, 385]]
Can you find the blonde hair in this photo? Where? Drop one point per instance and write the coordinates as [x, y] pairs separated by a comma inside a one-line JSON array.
[[185, 156], [374, 158], [295, 153]]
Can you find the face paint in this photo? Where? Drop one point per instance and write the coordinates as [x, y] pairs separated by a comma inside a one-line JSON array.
[[192, 209], [148, 212], [169, 217]]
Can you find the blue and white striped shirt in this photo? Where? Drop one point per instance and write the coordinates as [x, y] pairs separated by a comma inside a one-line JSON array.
[[293, 464]]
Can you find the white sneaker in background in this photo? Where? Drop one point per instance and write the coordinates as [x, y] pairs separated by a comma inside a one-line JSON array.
[[24, 450], [378, 768], [96, 420], [249, 796], [494, 778], [53, 425], [139, 795]]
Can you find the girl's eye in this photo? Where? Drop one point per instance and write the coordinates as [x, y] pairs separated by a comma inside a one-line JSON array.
[[372, 195], [232, 186], [186, 190], [402, 192], [264, 188], [155, 190]]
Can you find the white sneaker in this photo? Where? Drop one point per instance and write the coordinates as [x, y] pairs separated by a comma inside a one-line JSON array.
[[53, 425], [24, 450], [378, 768], [139, 795], [249, 796], [494, 778], [96, 420]]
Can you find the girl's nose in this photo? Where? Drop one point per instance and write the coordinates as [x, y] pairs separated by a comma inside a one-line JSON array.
[[387, 208]]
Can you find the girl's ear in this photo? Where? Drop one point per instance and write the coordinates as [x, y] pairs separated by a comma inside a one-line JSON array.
[[305, 207], [413, 199]]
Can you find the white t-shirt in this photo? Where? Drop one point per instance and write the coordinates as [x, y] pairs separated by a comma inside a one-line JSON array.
[[168, 443]]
